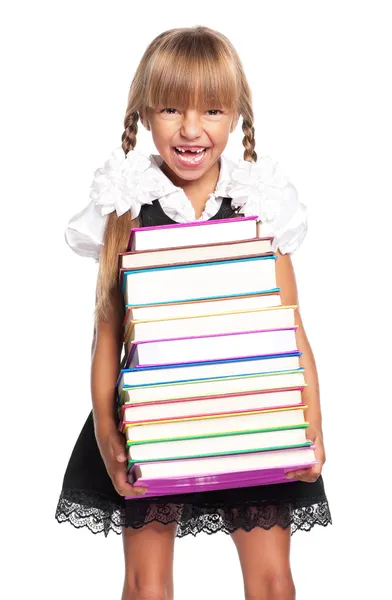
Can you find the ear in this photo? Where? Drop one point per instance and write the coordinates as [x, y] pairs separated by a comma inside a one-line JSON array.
[[234, 122], [144, 120]]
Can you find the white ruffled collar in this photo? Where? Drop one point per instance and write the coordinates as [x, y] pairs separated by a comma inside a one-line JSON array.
[[176, 204], [125, 183]]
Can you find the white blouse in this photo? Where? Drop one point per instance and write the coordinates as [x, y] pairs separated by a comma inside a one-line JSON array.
[[124, 183]]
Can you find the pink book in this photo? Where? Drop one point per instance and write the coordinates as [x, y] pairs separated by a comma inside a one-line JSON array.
[[205, 400], [199, 416], [207, 481], [194, 233]]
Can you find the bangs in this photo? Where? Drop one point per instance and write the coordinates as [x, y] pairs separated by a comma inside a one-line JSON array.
[[192, 74]]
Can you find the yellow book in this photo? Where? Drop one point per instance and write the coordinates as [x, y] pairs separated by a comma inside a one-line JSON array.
[[215, 424], [274, 317]]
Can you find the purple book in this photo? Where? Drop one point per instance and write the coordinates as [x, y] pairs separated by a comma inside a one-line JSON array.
[[212, 347], [207, 481]]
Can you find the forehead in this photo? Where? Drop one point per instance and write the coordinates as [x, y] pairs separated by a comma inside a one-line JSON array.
[[193, 84]]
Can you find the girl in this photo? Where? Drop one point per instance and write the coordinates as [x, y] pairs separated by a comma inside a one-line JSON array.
[[189, 91]]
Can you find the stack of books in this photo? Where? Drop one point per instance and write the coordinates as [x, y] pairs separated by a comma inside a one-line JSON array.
[[209, 396]]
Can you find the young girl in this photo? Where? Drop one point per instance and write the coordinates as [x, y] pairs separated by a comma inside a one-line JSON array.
[[189, 91]]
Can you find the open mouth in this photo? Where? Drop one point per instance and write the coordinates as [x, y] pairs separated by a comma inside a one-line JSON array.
[[191, 156]]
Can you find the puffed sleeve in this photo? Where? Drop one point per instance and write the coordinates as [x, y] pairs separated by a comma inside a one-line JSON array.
[[85, 231], [122, 184], [288, 224], [259, 189]]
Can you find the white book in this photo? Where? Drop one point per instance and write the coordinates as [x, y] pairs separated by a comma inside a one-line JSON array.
[[211, 405], [193, 234], [214, 347], [264, 318], [213, 387], [159, 312], [222, 465], [183, 254], [208, 405], [246, 442], [214, 424], [200, 280], [134, 377]]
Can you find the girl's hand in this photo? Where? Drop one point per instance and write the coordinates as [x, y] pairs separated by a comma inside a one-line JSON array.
[[312, 474], [111, 444]]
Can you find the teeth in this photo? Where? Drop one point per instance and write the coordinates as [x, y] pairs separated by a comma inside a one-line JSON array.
[[190, 150]]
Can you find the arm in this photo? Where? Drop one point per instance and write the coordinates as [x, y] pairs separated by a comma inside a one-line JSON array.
[[311, 395], [105, 367]]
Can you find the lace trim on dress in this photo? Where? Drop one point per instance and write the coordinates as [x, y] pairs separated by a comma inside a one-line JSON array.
[[100, 514]]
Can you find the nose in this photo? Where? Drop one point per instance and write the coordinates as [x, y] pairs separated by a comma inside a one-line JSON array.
[[191, 124]]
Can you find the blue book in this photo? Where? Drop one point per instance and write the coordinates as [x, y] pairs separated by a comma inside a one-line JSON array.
[[200, 281], [161, 375]]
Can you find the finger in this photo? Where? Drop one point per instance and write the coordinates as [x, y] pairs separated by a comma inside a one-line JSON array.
[[132, 492], [306, 479], [299, 473], [302, 473], [307, 475], [124, 488]]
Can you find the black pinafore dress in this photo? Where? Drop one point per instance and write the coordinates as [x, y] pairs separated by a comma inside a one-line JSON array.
[[89, 499]]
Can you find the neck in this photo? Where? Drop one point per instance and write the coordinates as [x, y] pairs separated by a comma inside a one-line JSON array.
[[196, 190]]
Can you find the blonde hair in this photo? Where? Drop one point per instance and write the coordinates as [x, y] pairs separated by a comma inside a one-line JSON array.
[[200, 66]]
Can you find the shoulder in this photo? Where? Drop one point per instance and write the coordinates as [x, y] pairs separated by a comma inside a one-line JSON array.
[[259, 188], [121, 184]]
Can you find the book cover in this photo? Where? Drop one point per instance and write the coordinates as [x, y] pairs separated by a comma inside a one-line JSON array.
[[231, 346], [207, 481], [135, 230], [230, 248], [205, 303], [211, 380], [165, 370], [124, 425], [131, 442], [197, 318], [206, 400], [196, 265]]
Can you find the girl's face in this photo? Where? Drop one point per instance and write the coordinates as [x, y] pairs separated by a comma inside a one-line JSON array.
[[190, 141]]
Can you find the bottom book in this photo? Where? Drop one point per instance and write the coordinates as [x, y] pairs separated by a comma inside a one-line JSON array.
[[214, 473]]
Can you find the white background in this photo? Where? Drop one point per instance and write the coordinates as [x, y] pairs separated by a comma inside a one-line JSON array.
[[320, 74]]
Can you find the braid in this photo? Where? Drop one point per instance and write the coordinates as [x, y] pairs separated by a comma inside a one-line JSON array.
[[116, 235], [249, 141], [128, 138]]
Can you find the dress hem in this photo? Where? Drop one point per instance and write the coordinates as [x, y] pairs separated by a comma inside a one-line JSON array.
[[101, 514]]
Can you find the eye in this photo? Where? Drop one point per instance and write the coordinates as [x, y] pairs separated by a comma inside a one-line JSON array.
[[169, 111], [215, 111]]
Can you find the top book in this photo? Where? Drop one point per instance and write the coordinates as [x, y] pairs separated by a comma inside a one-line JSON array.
[[194, 233]]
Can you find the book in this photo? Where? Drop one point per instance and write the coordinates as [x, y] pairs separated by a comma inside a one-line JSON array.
[[207, 370], [213, 424], [212, 347], [197, 281], [207, 474], [157, 312], [261, 319], [211, 371], [218, 445], [195, 233], [208, 405], [201, 253], [213, 387]]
